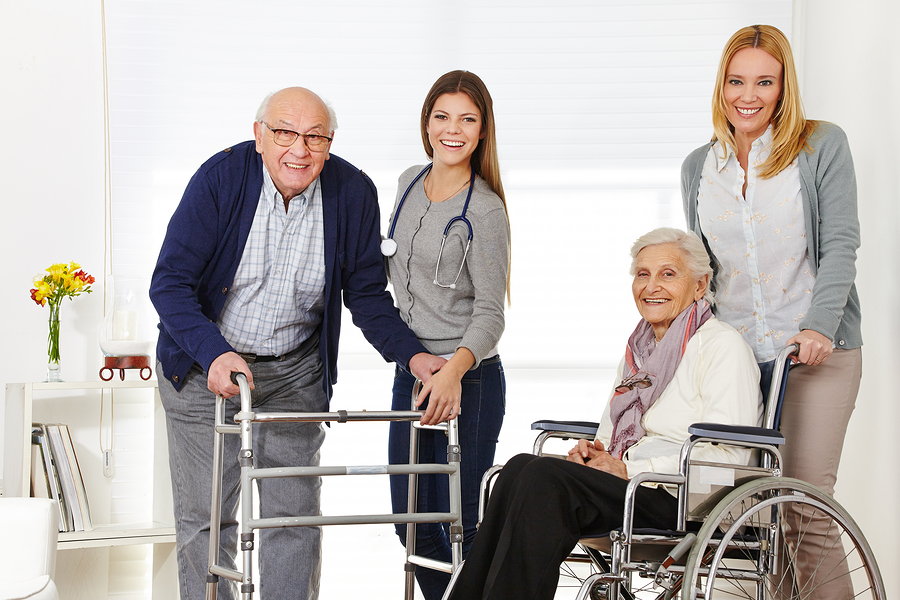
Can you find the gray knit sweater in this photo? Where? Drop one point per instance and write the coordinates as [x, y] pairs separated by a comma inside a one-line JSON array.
[[471, 315], [828, 187]]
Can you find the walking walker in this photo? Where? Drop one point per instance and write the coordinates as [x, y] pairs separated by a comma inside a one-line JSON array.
[[248, 525]]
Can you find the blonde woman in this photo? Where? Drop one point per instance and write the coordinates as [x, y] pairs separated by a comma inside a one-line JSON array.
[[774, 197]]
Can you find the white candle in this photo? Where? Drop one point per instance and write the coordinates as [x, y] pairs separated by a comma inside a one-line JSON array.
[[126, 325]]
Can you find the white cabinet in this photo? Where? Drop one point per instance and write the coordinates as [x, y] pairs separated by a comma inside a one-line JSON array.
[[130, 551]]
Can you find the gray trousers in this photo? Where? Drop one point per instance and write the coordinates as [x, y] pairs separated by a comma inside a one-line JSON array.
[[289, 558]]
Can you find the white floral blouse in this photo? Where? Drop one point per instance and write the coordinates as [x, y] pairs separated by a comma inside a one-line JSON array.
[[764, 284]]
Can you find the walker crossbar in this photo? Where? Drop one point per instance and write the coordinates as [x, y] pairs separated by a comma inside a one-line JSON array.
[[273, 522], [247, 416], [332, 417], [364, 470]]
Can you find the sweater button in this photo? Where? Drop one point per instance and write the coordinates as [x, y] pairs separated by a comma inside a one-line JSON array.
[[224, 290], [175, 378], [840, 342]]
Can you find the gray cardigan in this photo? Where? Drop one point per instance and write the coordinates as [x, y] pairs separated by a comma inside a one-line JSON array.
[[471, 315], [828, 187]]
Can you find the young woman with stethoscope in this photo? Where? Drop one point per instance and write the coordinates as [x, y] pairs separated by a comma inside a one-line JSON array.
[[448, 259]]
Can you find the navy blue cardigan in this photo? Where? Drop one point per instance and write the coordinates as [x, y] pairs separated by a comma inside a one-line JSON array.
[[204, 243]]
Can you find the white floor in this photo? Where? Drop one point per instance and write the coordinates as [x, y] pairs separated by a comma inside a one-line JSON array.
[[366, 561]]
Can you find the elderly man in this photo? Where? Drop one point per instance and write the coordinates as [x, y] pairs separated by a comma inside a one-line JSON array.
[[268, 235]]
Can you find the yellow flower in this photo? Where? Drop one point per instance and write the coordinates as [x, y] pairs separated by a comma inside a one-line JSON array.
[[56, 271], [60, 280]]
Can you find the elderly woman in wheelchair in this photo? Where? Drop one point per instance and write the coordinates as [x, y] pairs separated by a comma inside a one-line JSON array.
[[681, 367]]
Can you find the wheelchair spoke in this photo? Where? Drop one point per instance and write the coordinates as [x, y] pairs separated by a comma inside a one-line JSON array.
[[780, 539], [769, 539]]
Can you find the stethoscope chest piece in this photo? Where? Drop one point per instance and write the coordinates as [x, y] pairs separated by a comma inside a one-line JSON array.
[[388, 247]]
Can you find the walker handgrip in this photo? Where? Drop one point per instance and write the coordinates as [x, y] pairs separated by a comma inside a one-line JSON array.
[[240, 379]]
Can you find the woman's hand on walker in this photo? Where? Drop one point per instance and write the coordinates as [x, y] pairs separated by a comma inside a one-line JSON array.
[[444, 389], [444, 392]]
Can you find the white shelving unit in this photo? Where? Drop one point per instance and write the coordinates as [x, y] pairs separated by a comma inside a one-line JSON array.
[[131, 508]]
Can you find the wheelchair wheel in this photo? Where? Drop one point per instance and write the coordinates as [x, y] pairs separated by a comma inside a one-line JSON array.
[[776, 538], [580, 573]]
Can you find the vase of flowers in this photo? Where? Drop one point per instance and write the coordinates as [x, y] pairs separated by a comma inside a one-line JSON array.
[[58, 282]]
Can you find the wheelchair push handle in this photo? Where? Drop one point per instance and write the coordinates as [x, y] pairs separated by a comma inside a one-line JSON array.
[[792, 350]]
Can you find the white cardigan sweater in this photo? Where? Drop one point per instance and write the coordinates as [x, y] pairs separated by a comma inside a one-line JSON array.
[[717, 381]]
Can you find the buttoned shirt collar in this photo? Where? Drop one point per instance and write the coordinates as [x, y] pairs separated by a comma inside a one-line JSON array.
[[271, 193], [723, 152]]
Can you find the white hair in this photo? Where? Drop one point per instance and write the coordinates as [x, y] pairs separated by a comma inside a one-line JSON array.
[[696, 259], [264, 108]]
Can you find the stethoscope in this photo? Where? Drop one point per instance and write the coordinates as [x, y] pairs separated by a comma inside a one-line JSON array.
[[389, 246]]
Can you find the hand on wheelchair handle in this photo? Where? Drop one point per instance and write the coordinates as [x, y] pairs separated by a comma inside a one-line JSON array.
[[814, 348]]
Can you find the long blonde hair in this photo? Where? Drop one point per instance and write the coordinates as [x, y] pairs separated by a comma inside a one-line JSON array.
[[790, 128], [484, 158]]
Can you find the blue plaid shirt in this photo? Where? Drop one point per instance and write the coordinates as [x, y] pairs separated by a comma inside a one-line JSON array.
[[278, 295]]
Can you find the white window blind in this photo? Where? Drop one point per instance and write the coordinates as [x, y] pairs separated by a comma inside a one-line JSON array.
[[596, 102]]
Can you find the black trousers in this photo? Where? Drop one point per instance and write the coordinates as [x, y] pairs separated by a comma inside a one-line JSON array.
[[537, 512]]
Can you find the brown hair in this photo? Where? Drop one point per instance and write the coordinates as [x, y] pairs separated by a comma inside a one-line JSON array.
[[484, 158]]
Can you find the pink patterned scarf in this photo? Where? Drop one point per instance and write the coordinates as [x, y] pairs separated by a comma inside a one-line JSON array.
[[649, 368]]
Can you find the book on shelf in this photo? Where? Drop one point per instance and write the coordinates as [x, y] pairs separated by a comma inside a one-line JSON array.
[[40, 481], [78, 480], [70, 485], [45, 473]]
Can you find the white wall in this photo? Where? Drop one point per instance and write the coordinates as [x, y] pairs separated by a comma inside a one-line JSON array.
[[850, 65], [51, 169], [53, 183]]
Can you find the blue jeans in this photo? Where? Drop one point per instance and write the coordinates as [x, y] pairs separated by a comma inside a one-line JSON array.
[[481, 416], [289, 558]]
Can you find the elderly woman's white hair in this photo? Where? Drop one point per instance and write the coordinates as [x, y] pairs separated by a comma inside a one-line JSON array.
[[695, 256], [264, 107]]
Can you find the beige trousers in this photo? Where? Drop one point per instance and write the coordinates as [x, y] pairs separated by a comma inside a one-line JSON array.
[[817, 406]]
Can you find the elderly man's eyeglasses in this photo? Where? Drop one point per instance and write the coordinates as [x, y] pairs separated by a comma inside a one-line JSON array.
[[286, 138], [629, 383]]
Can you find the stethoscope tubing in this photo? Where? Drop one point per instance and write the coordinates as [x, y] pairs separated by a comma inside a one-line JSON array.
[[461, 217]]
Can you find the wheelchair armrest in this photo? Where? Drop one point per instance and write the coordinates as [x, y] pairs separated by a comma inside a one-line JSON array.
[[573, 427], [737, 433]]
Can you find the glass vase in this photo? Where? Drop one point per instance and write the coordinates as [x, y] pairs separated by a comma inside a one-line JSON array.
[[53, 370]]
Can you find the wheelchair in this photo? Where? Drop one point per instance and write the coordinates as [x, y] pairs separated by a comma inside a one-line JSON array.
[[750, 535], [248, 525]]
